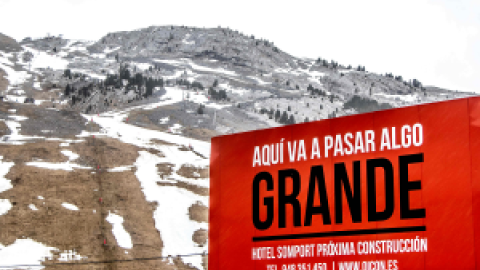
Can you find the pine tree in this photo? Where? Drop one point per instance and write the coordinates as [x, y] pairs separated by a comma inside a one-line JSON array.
[[291, 120], [68, 90], [310, 88], [138, 79], [283, 118], [200, 109]]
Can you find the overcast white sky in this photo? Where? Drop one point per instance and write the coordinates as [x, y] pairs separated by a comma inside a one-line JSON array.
[[437, 42]]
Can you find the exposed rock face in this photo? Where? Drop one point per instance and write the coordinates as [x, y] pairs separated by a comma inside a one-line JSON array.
[[214, 43], [8, 44], [246, 83]]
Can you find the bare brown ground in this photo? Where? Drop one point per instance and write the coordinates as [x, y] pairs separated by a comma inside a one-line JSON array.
[[4, 129], [164, 169], [200, 237], [198, 212], [154, 152], [83, 230], [113, 153], [199, 133], [160, 142], [4, 106], [3, 80], [92, 127], [193, 172], [48, 151], [140, 116], [205, 262], [184, 148]]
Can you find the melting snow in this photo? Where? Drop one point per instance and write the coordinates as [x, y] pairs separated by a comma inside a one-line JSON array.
[[176, 129], [70, 206], [115, 128], [120, 169], [5, 206], [407, 98], [37, 85], [70, 154], [46, 60], [260, 82], [69, 255], [14, 77], [108, 50], [171, 219], [15, 99], [5, 184], [217, 70], [121, 235], [25, 252], [18, 117], [164, 120], [57, 166]]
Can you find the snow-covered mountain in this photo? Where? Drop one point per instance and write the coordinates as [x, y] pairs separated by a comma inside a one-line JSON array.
[[104, 145]]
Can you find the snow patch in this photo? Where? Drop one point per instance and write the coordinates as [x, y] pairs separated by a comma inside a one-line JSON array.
[[120, 169], [171, 219], [57, 166], [70, 206], [70, 154], [42, 60], [259, 81], [14, 77], [164, 120], [176, 129], [5, 206], [5, 184], [25, 252], [70, 255], [121, 235], [18, 117], [109, 50]]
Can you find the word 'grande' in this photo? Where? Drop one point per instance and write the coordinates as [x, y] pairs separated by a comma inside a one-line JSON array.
[[341, 184]]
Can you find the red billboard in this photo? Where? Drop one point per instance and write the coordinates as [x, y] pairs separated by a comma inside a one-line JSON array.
[[393, 189]]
